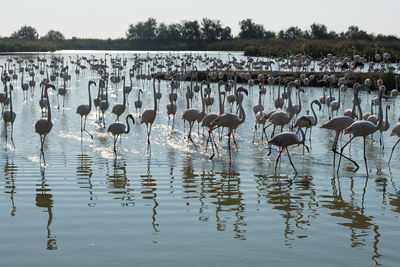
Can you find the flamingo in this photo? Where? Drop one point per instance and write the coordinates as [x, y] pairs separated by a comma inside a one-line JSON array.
[[118, 128], [206, 122], [84, 110], [283, 140], [127, 89], [62, 91], [44, 125], [104, 105], [281, 117], [395, 131], [308, 121], [364, 128], [232, 121], [138, 102], [149, 115], [118, 109], [9, 116], [193, 114]]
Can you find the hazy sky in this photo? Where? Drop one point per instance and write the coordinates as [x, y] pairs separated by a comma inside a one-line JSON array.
[[111, 19]]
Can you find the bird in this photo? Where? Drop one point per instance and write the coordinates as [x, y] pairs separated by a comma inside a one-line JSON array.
[[208, 118], [149, 115], [118, 109], [232, 121], [385, 126], [395, 131], [104, 105], [44, 125], [9, 116], [364, 128], [280, 117], [62, 91], [191, 115], [138, 102], [84, 110], [285, 139], [308, 121], [118, 128], [127, 89]]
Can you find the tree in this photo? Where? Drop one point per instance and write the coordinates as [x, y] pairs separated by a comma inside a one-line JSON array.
[[318, 31], [25, 33], [53, 35], [190, 31], [250, 30], [226, 33], [212, 30], [142, 30], [170, 32], [291, 33], [353, 32]]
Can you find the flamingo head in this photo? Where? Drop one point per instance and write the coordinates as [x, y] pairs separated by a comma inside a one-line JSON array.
[[242, 89]]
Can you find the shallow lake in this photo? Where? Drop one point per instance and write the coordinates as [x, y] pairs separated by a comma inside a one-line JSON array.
[[170, 205]]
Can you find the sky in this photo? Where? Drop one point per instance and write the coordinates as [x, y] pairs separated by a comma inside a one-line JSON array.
[[111, 19]]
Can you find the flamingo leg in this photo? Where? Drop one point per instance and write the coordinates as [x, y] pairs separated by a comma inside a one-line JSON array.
[[12, 130], [277, 159], [81, 126], [365, 158], [84, 128], [391, 154], [290, 160], [190, 133], [115, 141], [341, 153], [234, 140], [229, 145]]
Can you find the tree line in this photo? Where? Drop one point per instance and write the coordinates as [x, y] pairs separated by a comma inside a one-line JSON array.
[[207, 34]]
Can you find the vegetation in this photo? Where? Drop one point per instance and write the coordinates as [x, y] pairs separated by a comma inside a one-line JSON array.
[[209, 34]]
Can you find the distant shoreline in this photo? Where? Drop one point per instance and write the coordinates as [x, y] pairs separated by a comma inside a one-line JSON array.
[[259, 47]]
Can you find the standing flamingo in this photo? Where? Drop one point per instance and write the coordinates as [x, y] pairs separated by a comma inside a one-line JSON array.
[[283, 140], [232, 121], [308, 121], [9, 116], [84, 110], [364, 128], [149, 115], [44, 125], [118, 128]]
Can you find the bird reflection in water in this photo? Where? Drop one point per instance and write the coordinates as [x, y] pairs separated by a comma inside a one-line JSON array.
[[119, 184], [44, 200], [353, 211], [84, 174], [221, 189], [10, 170], [149, 192], [297, 202]]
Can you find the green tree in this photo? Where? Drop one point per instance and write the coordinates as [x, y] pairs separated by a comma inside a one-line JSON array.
[[142, 30], [250, 30], [353, 32], [212, 30], [319, 31], [291, 33], [169, 33], [190, 31], [53, 35], [25, 33]]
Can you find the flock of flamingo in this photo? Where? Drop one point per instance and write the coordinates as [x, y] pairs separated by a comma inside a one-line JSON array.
[[182, 75]]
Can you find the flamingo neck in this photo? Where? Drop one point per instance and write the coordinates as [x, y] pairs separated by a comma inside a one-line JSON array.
[[128, 127], [315, 115], [155, 97]]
